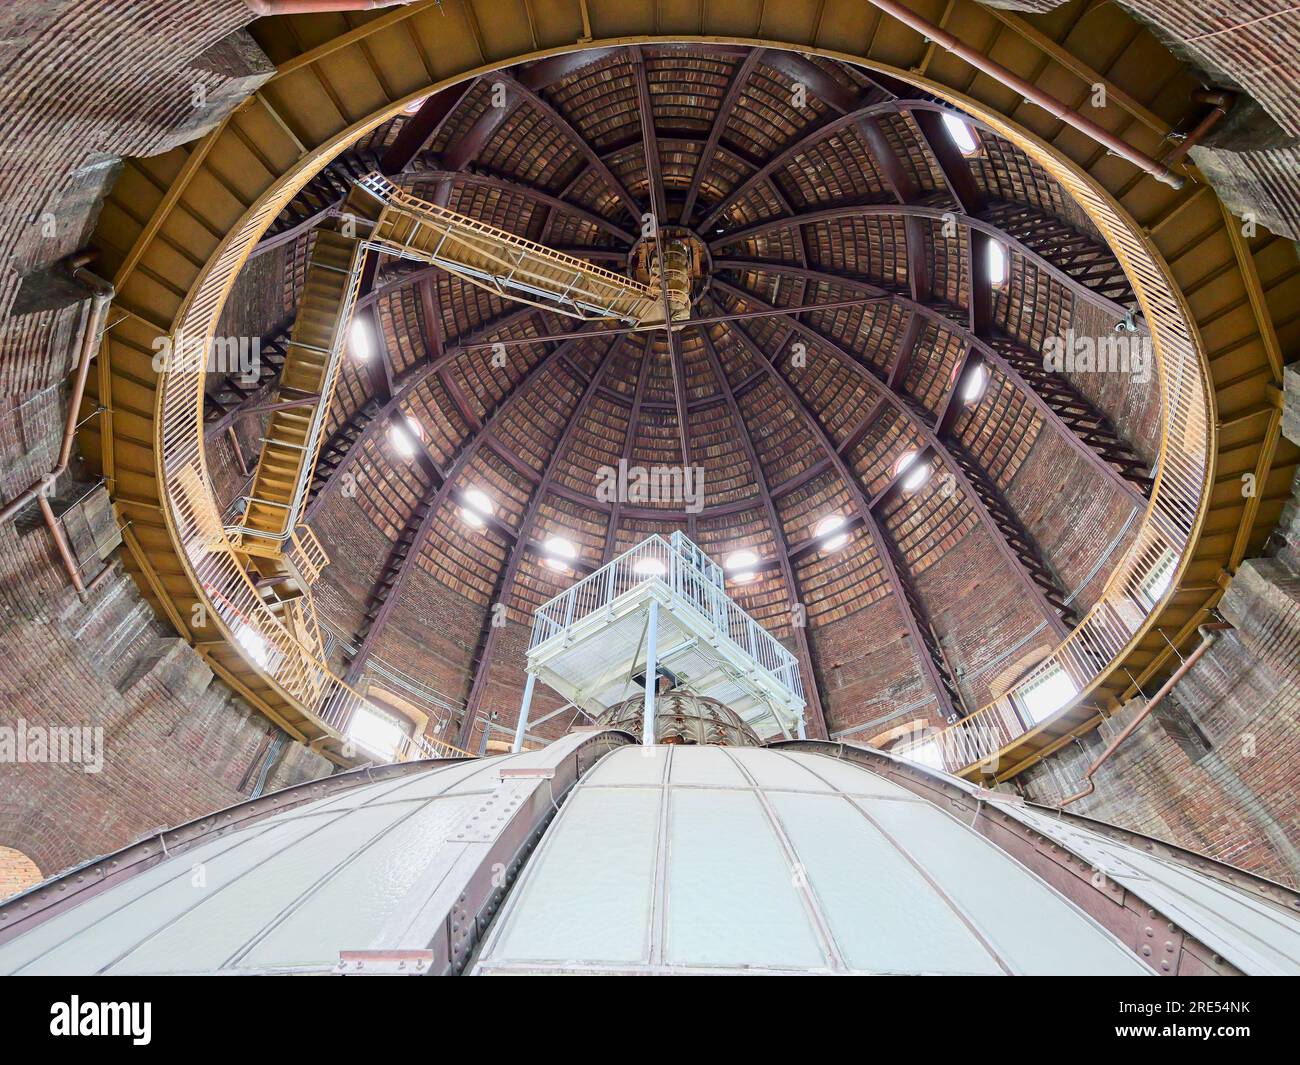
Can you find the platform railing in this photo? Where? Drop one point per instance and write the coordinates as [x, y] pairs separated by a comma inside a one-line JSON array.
[[1142, 582], [693, 579], [306, 557]]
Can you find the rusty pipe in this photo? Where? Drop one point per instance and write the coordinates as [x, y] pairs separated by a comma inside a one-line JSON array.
[[1220, 101], [102, 294], [61, 542], [263, 8], [1031, 92], [1207, 639]]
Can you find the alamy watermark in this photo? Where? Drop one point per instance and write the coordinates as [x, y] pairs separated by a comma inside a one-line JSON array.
[[683, 485], [223, 355], [23, 743], [1118, 353]]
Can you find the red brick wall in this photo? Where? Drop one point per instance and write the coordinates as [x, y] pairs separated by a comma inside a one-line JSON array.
[[1213, 768], [84, 83], [17, 872], [177, 744], [868, 673]]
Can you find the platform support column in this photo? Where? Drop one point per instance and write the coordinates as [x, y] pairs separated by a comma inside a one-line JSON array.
[[651, 680], [524, 706]]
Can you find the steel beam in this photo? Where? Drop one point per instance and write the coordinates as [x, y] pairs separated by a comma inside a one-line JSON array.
[[482, 660], [802, 644], [1025, 572], [914, 213], [401, 561], [989, 351], [739, 80], [363, 424], [629, 439], [845, 121], [579, 141], [934, 671]]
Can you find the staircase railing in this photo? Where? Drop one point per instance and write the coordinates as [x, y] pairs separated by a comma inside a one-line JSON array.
[[1144, 579], [212, 559]]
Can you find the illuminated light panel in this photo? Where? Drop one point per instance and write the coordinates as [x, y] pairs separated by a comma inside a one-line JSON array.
[[830, 531], [961, 134]]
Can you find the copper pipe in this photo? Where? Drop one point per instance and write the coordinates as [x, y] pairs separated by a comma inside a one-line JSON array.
[[1207, 640], [1031, 92], [1220, 104], [309, 7], [102, 294]]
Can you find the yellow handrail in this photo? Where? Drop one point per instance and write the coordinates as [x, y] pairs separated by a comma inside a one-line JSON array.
[[1169, 526], [212, 559]]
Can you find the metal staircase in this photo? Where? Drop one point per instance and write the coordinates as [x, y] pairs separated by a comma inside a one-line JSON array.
[[1016, 535], [376, 216], [507, 265], [1083, 257], [1076, 411]]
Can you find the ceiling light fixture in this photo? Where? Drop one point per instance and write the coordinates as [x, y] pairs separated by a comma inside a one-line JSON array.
[[479, 500], [559, 554], [359, 340], [911, 479], [962, 134], [478, 507], [401, 440], [829, 532], [741, 560], [740, 564], [997, 263], [974, 384]]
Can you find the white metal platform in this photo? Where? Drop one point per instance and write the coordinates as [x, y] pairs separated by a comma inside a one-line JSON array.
[[665, 602]]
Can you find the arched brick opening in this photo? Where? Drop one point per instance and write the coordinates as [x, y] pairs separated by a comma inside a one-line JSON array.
[[17, 872]]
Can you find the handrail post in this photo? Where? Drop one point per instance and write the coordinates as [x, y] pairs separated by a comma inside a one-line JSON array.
[[525, 705], [651, 667]]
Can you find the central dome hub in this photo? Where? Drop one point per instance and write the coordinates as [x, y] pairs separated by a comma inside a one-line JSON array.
[[683, 266]]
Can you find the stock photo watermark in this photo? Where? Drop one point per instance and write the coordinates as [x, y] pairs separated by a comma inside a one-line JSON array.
[[27, 744], [1120, 353], [683, 485], [240, 356]]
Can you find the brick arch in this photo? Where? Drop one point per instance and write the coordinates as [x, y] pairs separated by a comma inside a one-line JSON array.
[[31, 840], [17, 872]]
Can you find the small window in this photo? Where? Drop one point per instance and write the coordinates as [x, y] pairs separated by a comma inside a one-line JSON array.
[[997, 263], [961, 134], [1042, 696], [379, 733], [1152, 587]]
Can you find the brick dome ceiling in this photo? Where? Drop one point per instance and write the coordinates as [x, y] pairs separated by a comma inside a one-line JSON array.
[[809, 183]]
